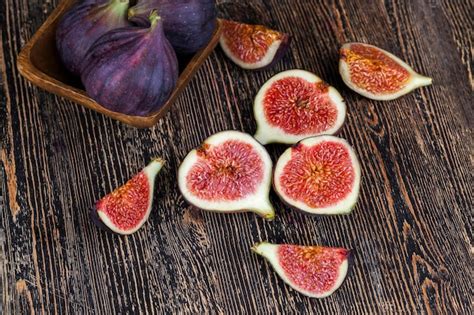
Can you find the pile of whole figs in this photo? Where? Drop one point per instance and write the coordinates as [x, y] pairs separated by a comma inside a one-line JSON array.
[[126, 51]]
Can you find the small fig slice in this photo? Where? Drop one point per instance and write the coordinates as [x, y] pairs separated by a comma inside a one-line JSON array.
[[253, 46], [319, 175], [314, 271], [297, 104], [131, 70], [83, 24], [229, 172], [376, 73], [127, 208]]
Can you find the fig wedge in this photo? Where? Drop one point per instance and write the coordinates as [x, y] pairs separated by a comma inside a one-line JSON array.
[[127, 208], [314, 271], [319, 175], [230, 172], [297, 104], [377, 74], [253, 47]]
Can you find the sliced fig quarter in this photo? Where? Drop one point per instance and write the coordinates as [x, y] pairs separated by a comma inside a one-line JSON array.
[[314, 271], [127, 208], [319, 175], [297, 104], [229, 172], [377, 74], [252, 47]]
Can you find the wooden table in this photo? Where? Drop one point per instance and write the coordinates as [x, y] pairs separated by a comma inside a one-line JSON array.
[[411, 230]]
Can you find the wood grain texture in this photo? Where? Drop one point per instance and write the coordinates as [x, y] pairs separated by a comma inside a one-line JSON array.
[[411, 230]]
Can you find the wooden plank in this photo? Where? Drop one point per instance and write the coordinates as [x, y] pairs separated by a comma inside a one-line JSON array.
[[411, 231]]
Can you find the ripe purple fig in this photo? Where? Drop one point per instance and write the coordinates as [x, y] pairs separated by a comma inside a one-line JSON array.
[[83, 24], [131, 70], [189, 24]]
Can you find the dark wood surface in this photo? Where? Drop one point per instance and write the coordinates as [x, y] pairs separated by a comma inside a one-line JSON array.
[[411, 230]]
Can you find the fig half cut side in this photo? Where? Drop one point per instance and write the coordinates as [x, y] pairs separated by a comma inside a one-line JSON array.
[[319, 175], [314, 271], [377, 74], [253, 47], [297, 104], [128, 207], [229, 172]]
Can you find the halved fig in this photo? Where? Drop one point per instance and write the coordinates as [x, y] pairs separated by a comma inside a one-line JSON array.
[[229, 172], [376, 73], [319, 175], [127, 208], [297, 104], [314, 271], [253, 46]]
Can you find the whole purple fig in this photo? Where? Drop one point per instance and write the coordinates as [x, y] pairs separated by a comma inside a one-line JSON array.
[[83, 24], [131, 70], [189, 24]]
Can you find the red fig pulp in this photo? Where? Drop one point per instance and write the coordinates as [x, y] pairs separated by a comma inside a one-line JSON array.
[[314, 271], [376, 73], [297, 104], [253, 46], [229, 172], [188, 24], [131, 70], [83, 24], [319, 175], [127, 208]]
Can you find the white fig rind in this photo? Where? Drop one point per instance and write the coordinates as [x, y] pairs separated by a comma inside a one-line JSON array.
[[270, 253], [151, 170], [257, 202], [269, 134], [416, 80], [341, 207], [262, 63]]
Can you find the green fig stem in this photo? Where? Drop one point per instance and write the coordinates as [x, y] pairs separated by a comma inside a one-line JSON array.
[[119, 6], [131, 12], [119, 1], [154, 18]]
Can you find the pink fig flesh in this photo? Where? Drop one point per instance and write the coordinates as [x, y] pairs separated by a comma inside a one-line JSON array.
[[127, 208], [297, 104], [376, 73], [319, 175], [253, 47], [229, 172], [314, 271]]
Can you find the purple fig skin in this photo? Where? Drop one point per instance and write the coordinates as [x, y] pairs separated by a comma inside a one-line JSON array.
[[131, 70], [83, 24], [95, 218], [281, 52], [188, 24]]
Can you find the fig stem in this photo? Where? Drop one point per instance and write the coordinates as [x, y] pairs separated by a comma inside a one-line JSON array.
[[118, 6], [154, 18], [118, 2]]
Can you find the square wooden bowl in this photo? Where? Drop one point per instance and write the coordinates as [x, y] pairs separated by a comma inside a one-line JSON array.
[[39, 63]]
